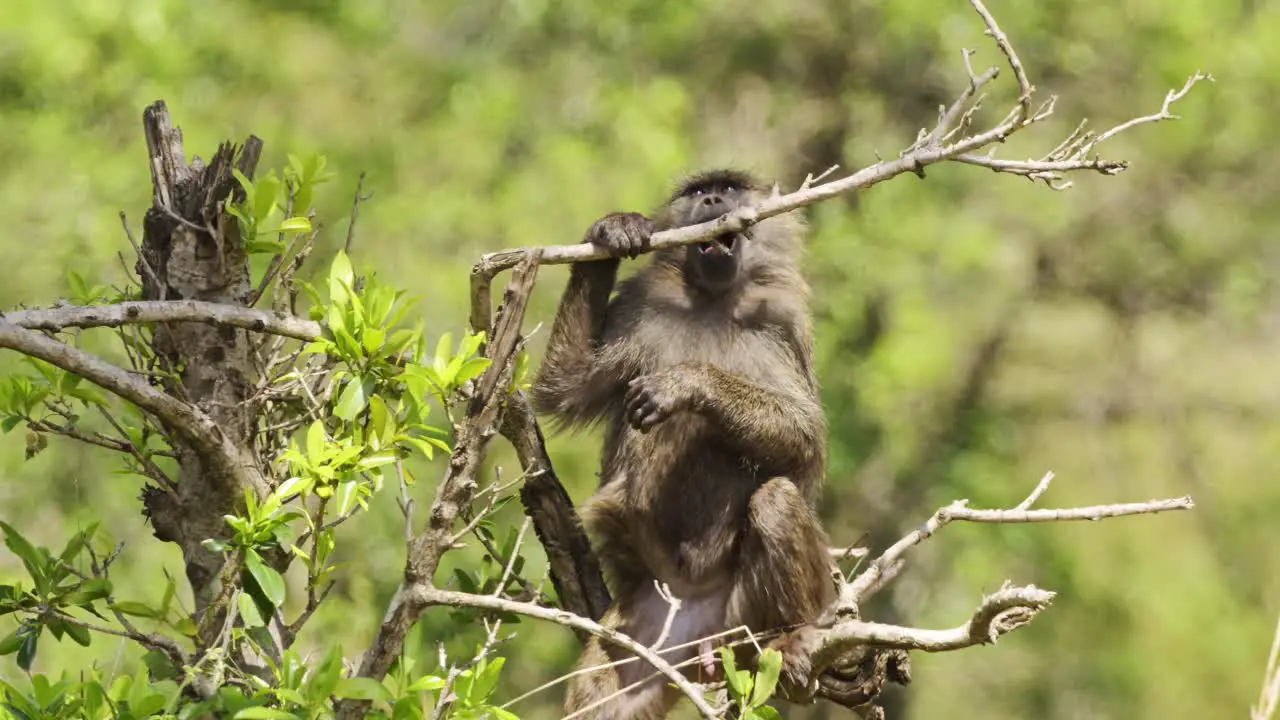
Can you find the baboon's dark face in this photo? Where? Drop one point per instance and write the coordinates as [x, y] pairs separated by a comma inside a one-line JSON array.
[[714, 265]]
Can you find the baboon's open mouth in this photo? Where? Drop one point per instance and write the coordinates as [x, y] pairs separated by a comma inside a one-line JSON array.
[[724, 245]]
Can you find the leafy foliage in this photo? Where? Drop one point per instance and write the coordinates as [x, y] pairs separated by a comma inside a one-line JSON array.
[[1135, 309], [750, 691]]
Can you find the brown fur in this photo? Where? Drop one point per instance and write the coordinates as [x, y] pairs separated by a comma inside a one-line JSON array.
[[715, 443]]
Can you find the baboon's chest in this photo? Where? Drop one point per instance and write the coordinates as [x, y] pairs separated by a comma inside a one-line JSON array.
[[751, 352]]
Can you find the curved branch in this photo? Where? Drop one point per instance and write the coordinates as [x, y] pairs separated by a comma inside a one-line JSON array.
[[149, 311], [999, 613], [431, 596], [889, 562], [927, 150], [185, 420]]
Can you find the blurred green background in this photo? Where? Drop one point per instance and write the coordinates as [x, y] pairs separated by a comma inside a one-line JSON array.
[[974, 330]]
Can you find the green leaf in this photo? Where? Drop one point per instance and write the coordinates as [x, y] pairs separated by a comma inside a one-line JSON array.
[[264, 247], [245, 184], [78, 633], [265, 197], [293, 486], [68, 382], [170, 589], [89, 396], [296, 224], [352, 401], [362, 688], [425, 445], [264, 713], [249, 611], [769, 667], [346, 496], [137, 609], [340, 270], [472, 368], [316, 441], [372, 339], [376, 460], [443, 353], [27, 651], [54, 625], [732, 675], [326, 676], [426, 683], [380, 418], [488, 679], [159, 665], [11, 642], [186, 626], [89, 590], [407, 709], [32, 558], [214, 545], [764, 712], [465, 581], [271, 582], [73, 547]]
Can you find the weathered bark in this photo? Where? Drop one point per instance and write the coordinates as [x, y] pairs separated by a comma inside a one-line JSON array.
[[191, 250], [483, 419], [575, 570]]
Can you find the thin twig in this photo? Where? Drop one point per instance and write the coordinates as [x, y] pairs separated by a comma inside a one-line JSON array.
[[355, 213], [673, 607], [154, 311], [433, 596], [1024, 85], [147, 640], [1035, 495], [1269, 697], [142, 259], [862, 587]]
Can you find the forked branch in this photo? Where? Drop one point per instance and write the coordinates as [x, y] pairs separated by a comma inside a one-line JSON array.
[[933, 146], [999, 613]]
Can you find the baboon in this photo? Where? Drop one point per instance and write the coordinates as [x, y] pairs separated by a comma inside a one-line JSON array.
[[701, 369]]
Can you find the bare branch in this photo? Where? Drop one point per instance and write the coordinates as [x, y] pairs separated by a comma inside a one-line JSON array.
[[1036, 168], [484, 416], [195, 425], [863, 585], [1170, 98], [150, 641], [153, 311], [575, 570], [997, 614], [847, 553], [673, 607], [927, 150], [432, 596], [1002, 40], [953, 113], [137, 249], [1093, 512], [1269, 697], [355, 213], [1035, 495]]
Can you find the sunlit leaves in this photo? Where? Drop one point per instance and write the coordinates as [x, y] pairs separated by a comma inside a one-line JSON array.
[[82, 293], [56, 588], [262, 212], [751, 691]]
